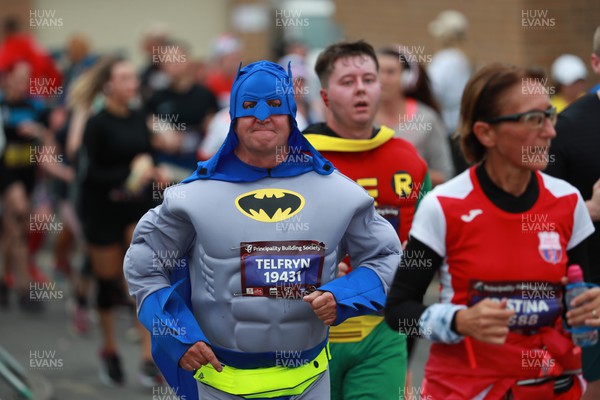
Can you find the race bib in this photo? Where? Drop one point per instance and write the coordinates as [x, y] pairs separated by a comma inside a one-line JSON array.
[[536, 303], [391, 214], [284, 270]]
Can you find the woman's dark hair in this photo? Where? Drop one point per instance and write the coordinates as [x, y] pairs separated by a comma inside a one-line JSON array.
[[420, 85], [422, 91], [483, 97]]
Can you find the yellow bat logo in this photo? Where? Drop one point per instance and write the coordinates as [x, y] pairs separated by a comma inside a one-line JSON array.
[[270, 205]]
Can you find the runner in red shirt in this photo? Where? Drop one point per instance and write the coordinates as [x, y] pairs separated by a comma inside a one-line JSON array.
[[501, 234]]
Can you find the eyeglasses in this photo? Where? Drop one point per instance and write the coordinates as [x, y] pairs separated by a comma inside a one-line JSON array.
[[532, 119]]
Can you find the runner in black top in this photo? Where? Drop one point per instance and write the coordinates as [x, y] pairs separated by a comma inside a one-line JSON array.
[[117, 171], [23, 121], [179, 114], [575, 159]]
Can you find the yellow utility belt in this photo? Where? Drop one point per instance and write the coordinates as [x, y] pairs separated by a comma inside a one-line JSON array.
[[265, 382], [354, 329], [18, 155]]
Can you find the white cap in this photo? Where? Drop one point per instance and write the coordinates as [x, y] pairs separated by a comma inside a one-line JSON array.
[[225, 44], [449, 23], [299, 70], [568, 69]]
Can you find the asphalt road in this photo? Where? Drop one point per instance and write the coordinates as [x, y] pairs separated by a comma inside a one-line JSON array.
[[44, 345]]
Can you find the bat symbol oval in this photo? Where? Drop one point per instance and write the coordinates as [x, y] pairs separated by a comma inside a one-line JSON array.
[[270, 205]]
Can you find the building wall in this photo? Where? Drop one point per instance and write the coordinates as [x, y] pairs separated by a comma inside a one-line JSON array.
[[576, 21], [497, 30], [11, 7], [118, 25]]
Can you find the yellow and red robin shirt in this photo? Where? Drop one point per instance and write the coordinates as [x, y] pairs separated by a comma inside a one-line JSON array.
[[390, 170], [393, 173]]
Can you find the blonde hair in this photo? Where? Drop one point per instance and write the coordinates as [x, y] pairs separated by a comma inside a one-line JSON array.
[[596, 42], [87, 86]]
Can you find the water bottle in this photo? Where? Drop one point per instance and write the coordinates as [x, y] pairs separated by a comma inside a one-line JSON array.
[[575, 288]]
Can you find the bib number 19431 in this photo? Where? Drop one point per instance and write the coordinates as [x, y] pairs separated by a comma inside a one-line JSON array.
[[283, 269]]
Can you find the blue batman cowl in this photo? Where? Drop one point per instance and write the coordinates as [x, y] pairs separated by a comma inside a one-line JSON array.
[[260, 83]]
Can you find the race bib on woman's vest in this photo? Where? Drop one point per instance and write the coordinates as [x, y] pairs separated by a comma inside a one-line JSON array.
[[536, 303]]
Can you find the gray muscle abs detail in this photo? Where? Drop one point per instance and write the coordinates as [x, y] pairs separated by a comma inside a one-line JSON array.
[[201, 220]]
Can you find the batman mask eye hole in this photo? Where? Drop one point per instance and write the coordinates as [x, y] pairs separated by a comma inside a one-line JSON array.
[[249, 104], [274, 103]]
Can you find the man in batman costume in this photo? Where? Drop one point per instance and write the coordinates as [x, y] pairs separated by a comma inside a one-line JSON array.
[[234, 273]]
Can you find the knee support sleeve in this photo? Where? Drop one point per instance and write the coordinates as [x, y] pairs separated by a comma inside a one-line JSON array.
[[110, 293]]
